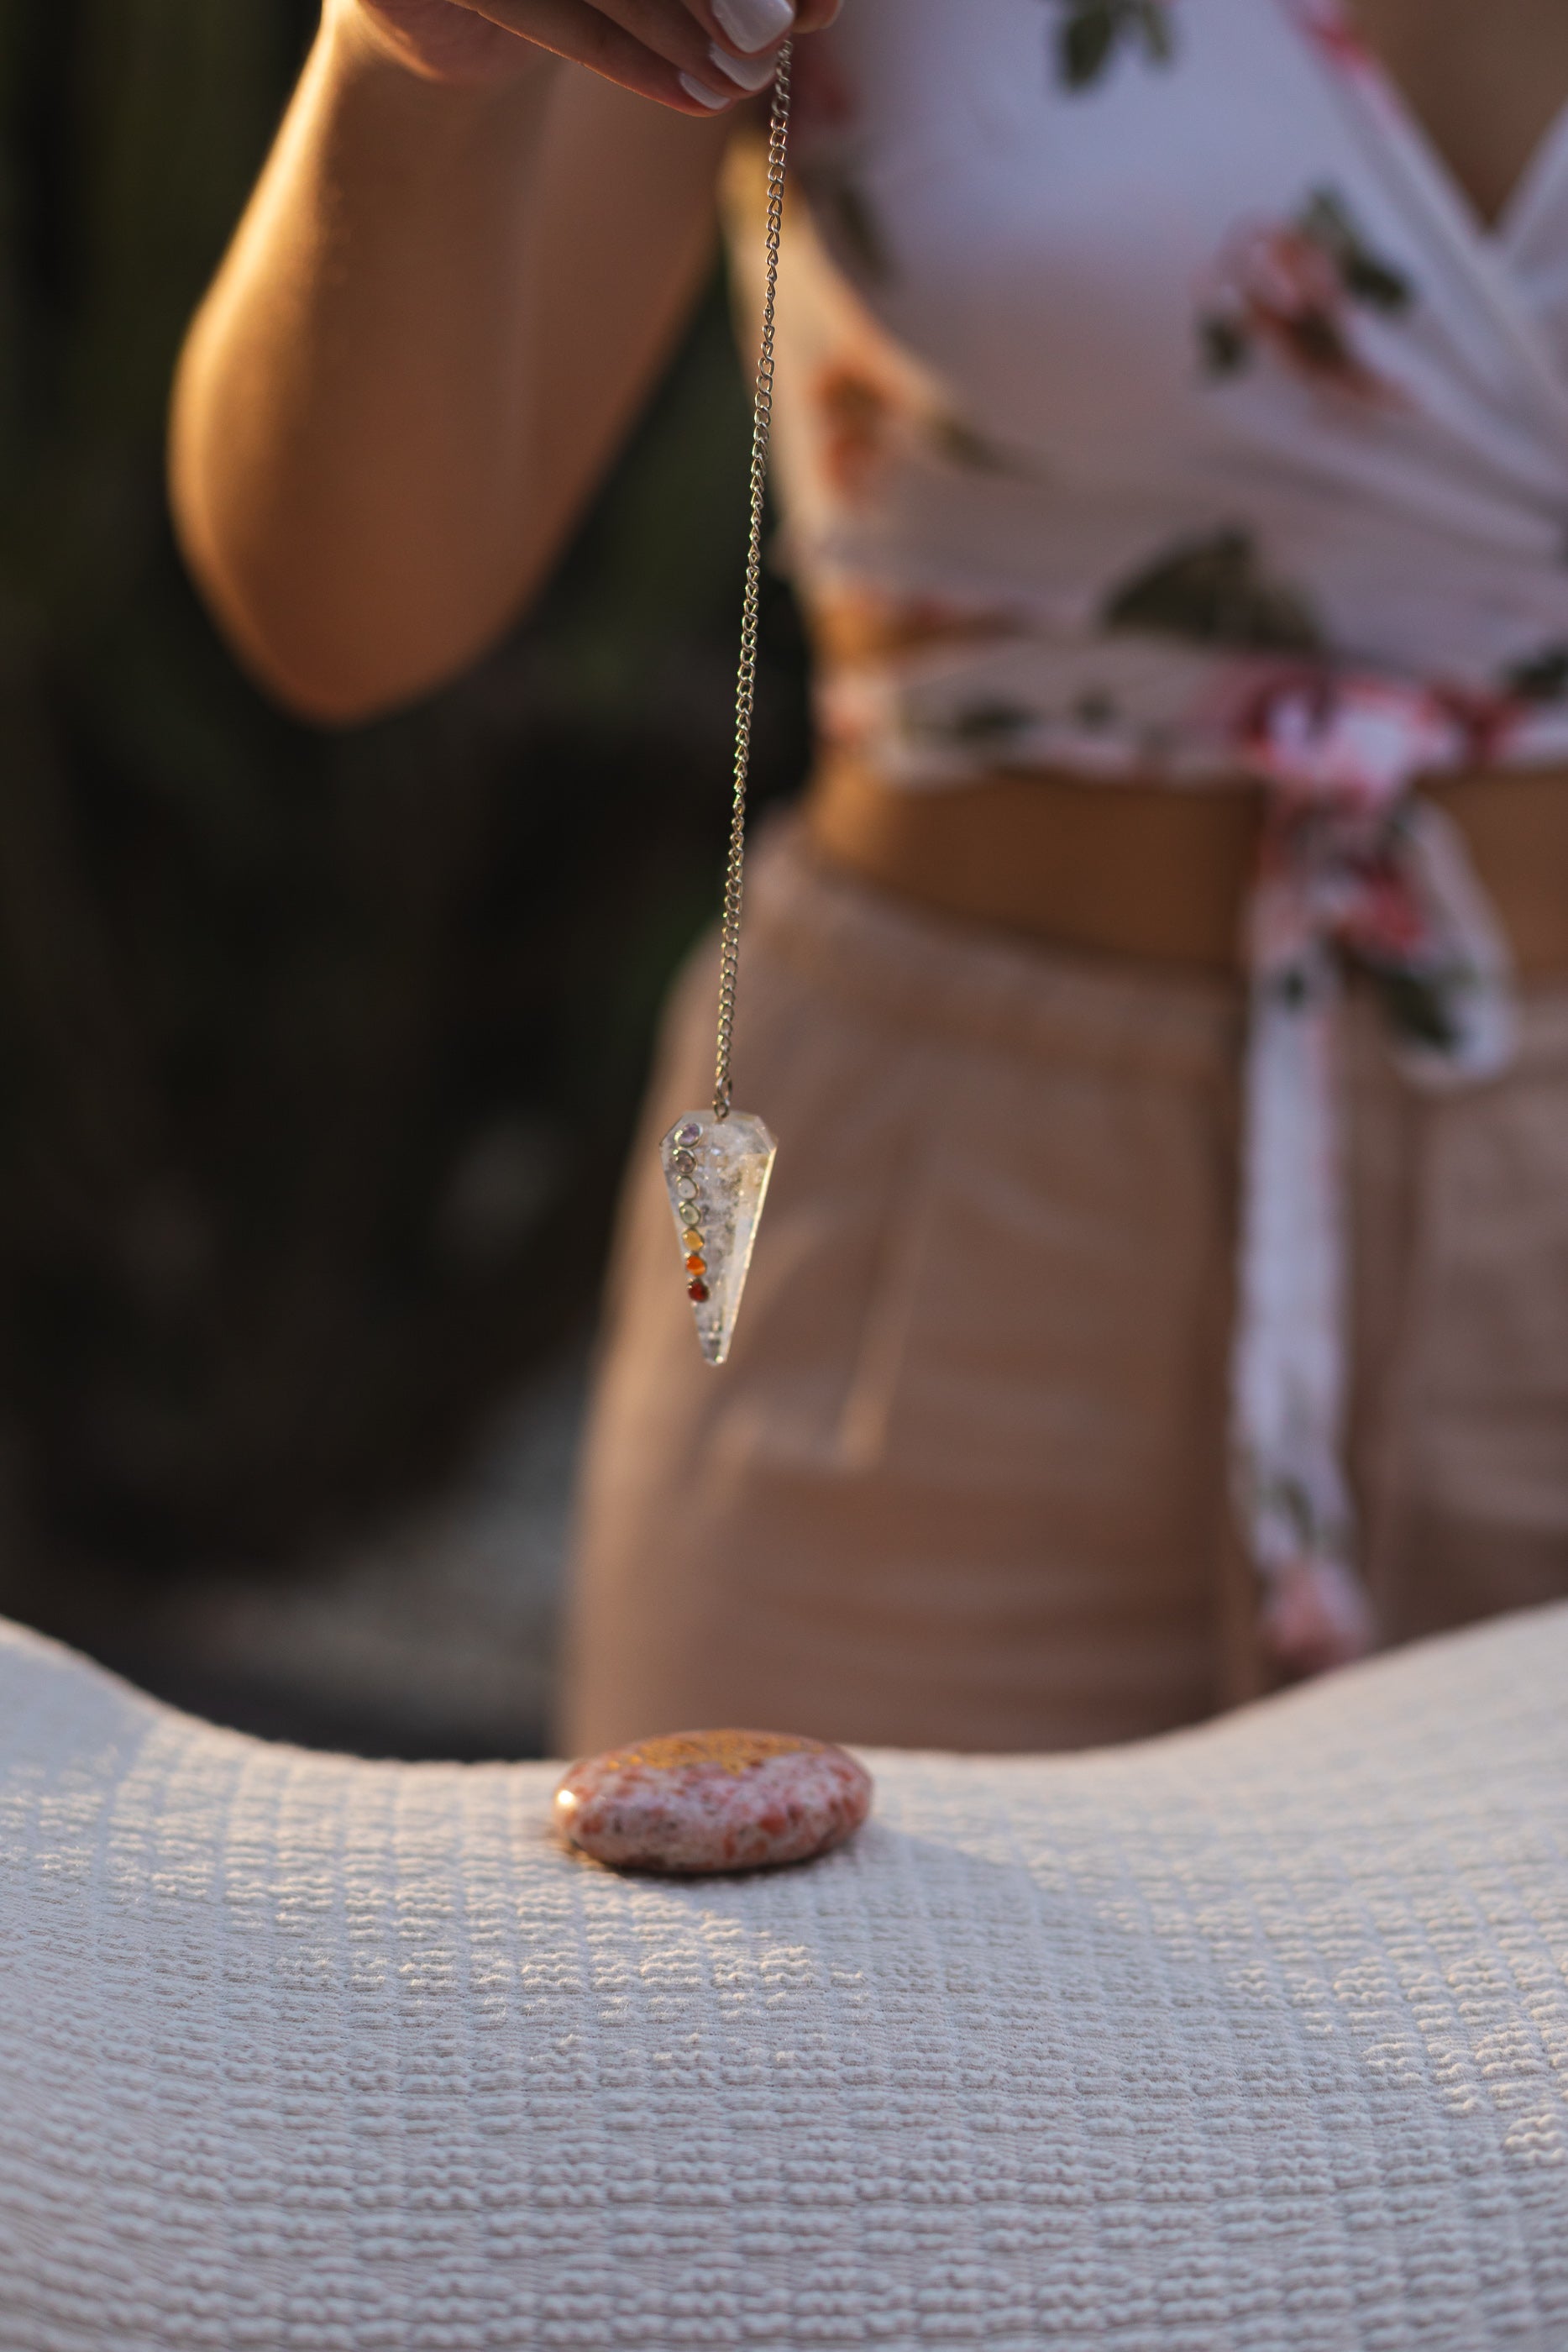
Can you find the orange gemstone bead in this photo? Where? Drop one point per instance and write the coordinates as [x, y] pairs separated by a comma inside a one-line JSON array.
[[696, 1265]]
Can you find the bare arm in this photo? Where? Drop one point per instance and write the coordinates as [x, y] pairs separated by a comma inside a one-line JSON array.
[[446, 299]]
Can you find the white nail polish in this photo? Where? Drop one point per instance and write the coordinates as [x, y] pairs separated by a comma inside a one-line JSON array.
[[754, 25], [712, 99], [749, 73]]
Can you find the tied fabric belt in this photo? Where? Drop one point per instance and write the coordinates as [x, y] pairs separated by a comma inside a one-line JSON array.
[[1357, 874]]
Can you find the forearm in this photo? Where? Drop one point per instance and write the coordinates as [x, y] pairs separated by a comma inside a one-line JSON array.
[[440, 310]]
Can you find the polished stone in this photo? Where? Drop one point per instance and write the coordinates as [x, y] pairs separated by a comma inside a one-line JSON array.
[[713, 1801]]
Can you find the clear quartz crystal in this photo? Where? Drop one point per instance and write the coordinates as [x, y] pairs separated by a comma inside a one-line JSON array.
[[720, 1197]]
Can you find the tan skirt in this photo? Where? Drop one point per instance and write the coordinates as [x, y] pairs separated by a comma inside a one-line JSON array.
[[963, 1481]]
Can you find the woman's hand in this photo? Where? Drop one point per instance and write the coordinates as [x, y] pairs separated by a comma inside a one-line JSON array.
[[698, 57], [466, 261]]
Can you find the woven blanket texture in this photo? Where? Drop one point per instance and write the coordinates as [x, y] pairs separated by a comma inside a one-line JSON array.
[[1255, 2036]]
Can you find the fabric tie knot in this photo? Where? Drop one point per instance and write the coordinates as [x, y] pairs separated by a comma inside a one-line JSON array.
[[1352, 864], [1353, 869]]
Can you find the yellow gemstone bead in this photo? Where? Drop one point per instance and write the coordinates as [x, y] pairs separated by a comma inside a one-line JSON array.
[[691, 1239]]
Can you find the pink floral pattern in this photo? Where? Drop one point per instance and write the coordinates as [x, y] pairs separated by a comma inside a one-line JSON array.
[[1293, 289], [1336, 38]]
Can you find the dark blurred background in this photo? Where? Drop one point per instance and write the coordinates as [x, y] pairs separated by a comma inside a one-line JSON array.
[[317, 1052]]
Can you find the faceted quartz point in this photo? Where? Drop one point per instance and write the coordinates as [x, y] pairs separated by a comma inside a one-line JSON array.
[[717, 1170]]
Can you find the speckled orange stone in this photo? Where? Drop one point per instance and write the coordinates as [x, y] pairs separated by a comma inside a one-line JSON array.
[[706, 1800]]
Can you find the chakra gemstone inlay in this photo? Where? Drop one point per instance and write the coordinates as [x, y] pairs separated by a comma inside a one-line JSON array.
[[717, 1202]]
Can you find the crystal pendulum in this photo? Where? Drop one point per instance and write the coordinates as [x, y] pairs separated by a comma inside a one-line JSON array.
[[718, 1161], [717, 1172]]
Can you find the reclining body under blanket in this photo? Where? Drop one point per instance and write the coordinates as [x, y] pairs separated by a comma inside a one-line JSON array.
[[1254, 2036]]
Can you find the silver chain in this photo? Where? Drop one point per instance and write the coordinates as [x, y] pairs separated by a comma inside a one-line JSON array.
[[746, 678]]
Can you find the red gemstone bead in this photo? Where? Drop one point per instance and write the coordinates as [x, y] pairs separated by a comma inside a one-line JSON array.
[[698, 1290]]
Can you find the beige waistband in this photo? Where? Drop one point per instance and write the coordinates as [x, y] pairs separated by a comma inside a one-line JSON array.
[[968, 981], [1142, 870], [1026, 997]]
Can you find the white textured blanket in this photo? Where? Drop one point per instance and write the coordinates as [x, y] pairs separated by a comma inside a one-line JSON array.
[[1257, 2036]]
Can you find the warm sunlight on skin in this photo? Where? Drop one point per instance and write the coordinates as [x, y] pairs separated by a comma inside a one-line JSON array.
[[464, 264], [461, 271], [1486, 82]]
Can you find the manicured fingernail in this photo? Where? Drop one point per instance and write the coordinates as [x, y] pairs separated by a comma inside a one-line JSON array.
[[751, 73], [712, 99], [754, 25]]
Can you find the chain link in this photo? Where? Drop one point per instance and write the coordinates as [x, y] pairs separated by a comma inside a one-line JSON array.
[[745, 676]]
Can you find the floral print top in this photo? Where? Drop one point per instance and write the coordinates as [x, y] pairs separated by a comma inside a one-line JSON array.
[[1147, 379]]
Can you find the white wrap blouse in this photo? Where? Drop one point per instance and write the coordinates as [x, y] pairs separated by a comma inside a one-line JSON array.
[[1144, 364]]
